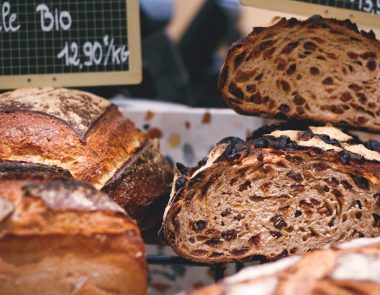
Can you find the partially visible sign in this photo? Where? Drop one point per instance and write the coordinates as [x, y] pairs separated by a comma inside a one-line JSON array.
[[362, 12], [69, 43], [369, 6]]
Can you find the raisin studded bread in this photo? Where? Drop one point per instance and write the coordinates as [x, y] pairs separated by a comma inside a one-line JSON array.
[[81, 135], [347, 269], [318, 69], [282, 193], [59, 236]]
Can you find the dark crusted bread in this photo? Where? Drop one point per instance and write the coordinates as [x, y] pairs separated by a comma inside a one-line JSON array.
[[323, 70], [79, 134], [347, 269], [283, 193], [62, 236]]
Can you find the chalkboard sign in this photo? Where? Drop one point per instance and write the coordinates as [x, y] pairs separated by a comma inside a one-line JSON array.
[[370, 6], [363, 12], [69, 43]]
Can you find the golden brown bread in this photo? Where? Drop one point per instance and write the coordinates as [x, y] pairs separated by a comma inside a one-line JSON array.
[[280, 193], [346, 269], [85, 136], [319, 69], [61, 236]]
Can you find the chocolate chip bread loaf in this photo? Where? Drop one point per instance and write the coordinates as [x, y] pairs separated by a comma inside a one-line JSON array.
[[60, 236], [347, 269], [281, 193], [84, 136], [324, 70]]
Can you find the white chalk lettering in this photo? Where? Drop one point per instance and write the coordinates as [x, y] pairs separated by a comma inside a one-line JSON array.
[[93, 53], [54, 20], [8, 19]]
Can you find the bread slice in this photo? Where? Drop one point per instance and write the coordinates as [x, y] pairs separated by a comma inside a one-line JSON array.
[[61, 236], [80, 134], [347, 269], [318, 69], [282, 193]]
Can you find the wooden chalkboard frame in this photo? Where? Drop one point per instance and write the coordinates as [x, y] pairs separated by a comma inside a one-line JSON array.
[[132, 76], [307, 9]]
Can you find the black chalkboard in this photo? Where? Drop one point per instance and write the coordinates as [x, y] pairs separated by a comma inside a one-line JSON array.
[[370, 6], [57, 37]]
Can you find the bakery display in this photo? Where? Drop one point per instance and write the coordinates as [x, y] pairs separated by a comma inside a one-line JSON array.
[[278, 193], [79, 134], [62, 236], [324, 70], [78, 180], [347, 269]]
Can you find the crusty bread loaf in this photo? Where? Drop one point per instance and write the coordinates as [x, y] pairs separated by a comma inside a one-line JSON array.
[[347, 269], [61, 236], [318, 69], [84, 136], [283, 193]]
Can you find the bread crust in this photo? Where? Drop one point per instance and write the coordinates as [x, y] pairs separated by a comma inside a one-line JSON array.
[[15, 167], [196, 187], [318, 272], [324, 70], [80, 133], [135, 182], [60, 232], [78, 110]]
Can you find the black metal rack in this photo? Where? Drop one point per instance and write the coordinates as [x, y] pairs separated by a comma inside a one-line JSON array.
[[218, 268]]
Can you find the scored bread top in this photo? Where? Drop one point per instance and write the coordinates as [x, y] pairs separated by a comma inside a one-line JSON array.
[[327, 138], [324, 70], [77, 109], [77, 134], [82, 134], [40, 205]]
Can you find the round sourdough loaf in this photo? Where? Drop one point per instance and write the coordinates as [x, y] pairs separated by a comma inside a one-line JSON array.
[[61, 236], [79, 134]]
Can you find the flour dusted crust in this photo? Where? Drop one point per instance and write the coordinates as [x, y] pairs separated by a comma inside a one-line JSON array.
[[6, 208], [78, 109], [78, 134], [63, 195], [58, 235], [342, 141], [280, 193], [334, 270], [324, 70]]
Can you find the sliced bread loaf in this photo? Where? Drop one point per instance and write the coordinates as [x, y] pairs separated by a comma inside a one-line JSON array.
[[319, 69], [281, 193]]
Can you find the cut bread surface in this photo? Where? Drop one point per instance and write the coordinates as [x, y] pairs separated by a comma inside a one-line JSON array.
[[283, 193], [319, 69]]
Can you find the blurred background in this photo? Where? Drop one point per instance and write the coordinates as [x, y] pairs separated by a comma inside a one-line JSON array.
[[184, 44]]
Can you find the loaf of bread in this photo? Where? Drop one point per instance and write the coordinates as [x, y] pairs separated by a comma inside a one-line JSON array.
[[281, 193], [84, 136], [348, 269], [61, 236], [318, 69]]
